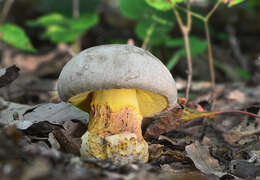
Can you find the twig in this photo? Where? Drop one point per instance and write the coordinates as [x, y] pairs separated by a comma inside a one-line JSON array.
[[130, 41], [213, 10], [210, 55], [5, 10], [237, 111], [75, 8], [194, 14], [234, 43], [185, 29], [211, 67], [76, 14]]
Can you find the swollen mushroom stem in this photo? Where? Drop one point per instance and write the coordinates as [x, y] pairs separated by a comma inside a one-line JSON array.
[[114, 130]]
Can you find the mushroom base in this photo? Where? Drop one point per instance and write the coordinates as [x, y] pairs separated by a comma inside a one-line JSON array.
[[120, 148]]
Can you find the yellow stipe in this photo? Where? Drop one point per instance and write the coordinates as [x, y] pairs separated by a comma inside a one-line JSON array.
[[116, 99]]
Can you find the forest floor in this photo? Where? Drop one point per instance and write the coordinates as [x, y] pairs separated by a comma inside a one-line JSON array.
[[42, 141]]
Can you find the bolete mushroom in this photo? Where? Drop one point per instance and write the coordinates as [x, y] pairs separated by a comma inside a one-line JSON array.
[[118, 85]]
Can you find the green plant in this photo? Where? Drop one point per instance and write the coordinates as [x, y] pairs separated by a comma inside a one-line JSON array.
[[16, 37], [206, 19], [150, 31], [198, 46], [61, 29], [152, 25]]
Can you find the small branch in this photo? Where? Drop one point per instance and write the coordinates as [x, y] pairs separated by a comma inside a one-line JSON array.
[[194, 14], [211, 66], [185, 29], [130, 42], [75, 6], [237, 111], [234, 44], [178, 17], [189, 62], [213, 10], [188, 16], [76, 46], [5, 10]]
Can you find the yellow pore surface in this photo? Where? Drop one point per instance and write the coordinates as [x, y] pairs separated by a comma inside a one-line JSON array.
[[145, 102]]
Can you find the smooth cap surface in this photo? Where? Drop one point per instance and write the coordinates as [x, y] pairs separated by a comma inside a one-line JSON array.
[[116, 67]]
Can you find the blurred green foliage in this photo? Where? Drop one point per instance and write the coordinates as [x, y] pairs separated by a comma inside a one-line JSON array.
[[155, 20], [15, 36], [154, 23], [150, 21], [235, 2], [64, 7], [242, 73], [197, 45], [163, 5], [60, 29]]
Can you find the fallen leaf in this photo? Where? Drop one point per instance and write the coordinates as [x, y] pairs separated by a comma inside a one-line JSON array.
[[155, 151], [28, 115], [202, 159], [244, 169], [8, 75]]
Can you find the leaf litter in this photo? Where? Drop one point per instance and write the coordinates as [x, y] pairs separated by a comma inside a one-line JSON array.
[[47, 137]]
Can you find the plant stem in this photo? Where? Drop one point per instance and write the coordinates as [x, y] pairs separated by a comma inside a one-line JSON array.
[[210, 55], [212, 10], [148, 36], [194, 14], [211, 66], [75, 6], [185, 29], [76, 45], [189, 62], [237, 111], [5, 10]]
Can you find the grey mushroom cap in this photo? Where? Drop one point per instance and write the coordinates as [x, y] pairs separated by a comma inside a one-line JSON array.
[[116, 67]]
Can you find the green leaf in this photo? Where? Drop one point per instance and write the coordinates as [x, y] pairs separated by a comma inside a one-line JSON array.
[[64, 7], [243, 73], [133, 9], [48, 20], [197, 45], [158, 32], [162, 5], [84, 22], [177, 42], [60, 29], [162, 20], [174, 60], [235, 2], [15, 36], [140, 10], [58, 34]]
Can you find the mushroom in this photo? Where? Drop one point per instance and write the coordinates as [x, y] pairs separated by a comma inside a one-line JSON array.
[[118, 85]]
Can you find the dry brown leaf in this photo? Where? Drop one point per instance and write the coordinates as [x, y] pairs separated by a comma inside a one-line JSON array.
[[202, 159]]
